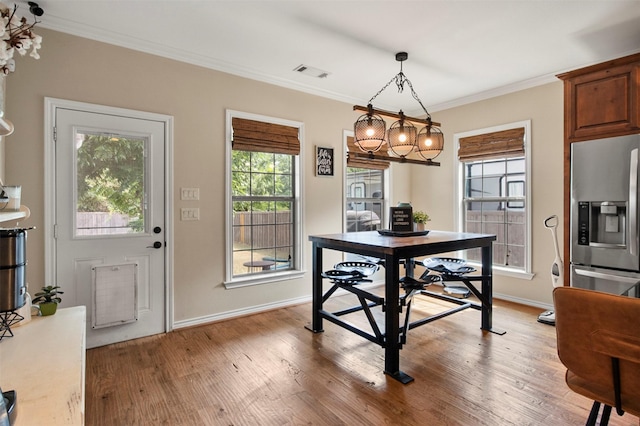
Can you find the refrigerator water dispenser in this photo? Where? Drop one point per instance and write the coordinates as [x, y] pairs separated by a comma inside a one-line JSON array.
[[602, 224]]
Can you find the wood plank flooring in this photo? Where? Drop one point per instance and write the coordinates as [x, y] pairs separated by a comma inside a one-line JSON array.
[[267, 369]]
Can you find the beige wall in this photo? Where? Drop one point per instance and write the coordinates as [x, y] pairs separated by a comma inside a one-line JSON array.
[[433, 187], [82, 70]]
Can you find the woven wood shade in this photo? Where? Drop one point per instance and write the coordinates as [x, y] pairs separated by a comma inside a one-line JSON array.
[[506, 143], [257, 136], [365, 163]]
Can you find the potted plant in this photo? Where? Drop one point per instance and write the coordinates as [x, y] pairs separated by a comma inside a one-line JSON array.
[[419, 219], [48, 299]]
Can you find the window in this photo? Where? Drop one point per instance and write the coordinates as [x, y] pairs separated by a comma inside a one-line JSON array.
[[364, 193], [263, 225], [365, 199], [110, 179], [494, 191]]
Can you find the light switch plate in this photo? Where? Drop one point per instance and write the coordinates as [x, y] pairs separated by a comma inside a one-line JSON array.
[[189, 194], [190, 213]]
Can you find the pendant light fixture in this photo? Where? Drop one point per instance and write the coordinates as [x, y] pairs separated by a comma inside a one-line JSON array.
[[402, 137], [369, 131], [430, 142]]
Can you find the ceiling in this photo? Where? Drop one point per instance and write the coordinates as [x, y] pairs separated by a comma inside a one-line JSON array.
[[459, 51]]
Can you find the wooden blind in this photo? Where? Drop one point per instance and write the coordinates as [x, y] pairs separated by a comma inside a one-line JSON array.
[[364, 163], [257, 136], [506, 143]]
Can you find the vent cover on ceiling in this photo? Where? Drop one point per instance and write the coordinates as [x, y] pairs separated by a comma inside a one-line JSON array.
[[311, 71]]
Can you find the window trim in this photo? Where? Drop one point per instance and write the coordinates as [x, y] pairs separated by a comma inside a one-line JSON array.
[[458, 168], [295, 272]]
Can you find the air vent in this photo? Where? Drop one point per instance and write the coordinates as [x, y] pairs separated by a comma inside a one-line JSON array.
[[310, 71]]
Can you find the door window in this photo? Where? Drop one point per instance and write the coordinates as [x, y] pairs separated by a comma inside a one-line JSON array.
[[110, 184]]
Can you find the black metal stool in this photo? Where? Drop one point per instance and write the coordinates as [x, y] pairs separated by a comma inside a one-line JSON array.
[[451, 269]]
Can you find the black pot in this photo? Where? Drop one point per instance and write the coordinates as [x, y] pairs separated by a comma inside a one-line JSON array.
[[13, 290]]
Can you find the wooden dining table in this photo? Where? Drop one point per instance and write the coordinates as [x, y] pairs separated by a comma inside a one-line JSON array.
[[392, 251]]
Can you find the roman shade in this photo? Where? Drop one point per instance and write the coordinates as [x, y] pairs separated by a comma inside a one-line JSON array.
[[258, 136], [364, 163], [505, 143]]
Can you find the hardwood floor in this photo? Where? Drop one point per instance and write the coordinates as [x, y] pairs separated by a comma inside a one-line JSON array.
[[267, 369]]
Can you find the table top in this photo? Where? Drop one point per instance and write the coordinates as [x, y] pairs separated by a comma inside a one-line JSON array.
[[259, 263], [373, 244]]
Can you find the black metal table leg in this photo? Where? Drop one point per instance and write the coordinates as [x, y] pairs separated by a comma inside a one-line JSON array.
[[392, 344], [316, 304], [487, 290]]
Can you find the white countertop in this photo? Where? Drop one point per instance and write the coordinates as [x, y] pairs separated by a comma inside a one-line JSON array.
[[44, 362]]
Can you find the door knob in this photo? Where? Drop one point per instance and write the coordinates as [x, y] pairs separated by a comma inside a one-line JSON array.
[[156, 245]]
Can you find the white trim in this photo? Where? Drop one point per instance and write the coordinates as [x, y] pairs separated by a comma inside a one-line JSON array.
[[231, 282], [93, 33], [459, 188], [50, 107], [252, 280], [521, 301], [236, 313], [345, 135], [507, 272]]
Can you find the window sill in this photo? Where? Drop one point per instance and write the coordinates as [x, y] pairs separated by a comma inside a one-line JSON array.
[[508, 272], [263, 279]]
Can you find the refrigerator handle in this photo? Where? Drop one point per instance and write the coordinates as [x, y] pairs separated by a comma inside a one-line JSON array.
[[633, 203]]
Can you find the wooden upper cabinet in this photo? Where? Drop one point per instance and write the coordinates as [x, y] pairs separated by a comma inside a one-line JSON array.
[[602, 100]]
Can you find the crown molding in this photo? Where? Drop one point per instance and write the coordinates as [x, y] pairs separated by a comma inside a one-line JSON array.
[[145, 46], [157, 49]]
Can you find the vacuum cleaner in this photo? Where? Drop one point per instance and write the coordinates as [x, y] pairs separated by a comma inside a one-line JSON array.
[[557, 269]]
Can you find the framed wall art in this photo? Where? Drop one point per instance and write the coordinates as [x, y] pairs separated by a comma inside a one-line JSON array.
[[324, 161]]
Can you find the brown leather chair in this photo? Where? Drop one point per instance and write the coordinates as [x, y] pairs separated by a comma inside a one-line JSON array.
[[598, 336]]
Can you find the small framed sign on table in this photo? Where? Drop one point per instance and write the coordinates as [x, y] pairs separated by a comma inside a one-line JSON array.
[[324, 161], [401, 219]]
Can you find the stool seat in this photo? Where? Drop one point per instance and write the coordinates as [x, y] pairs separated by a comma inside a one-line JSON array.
[[410, 283]]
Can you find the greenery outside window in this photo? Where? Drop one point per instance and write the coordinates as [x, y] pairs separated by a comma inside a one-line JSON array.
[[494, 192], [263, 225]]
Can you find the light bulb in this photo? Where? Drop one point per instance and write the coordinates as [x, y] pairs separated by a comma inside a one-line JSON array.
[[402, 137], [428, 142], [369, 132]]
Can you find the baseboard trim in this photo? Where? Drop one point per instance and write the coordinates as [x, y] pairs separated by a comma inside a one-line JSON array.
[[207, 319], [522, 301], [250, 310]]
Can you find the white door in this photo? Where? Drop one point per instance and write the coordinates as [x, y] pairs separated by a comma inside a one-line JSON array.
[[109, 222]]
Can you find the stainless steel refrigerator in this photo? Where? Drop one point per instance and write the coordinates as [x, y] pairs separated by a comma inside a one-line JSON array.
[[604, 215]]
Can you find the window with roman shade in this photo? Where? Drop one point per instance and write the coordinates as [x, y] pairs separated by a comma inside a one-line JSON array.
[[500, 144], [494, 191], [364, 191], [263, 179], [359, 162], [259, 136]]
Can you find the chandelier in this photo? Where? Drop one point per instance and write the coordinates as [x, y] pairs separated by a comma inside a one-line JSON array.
[[402, 138]]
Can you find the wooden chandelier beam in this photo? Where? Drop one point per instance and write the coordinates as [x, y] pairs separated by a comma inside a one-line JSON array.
[[367, 156], [395, 115]]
